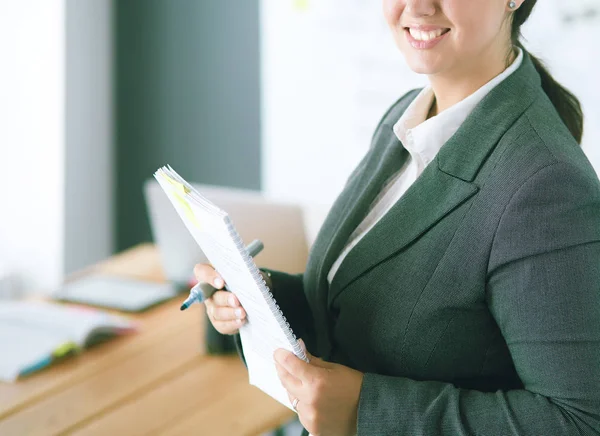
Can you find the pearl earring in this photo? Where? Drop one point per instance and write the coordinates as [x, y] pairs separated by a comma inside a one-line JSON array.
[[512, 5]]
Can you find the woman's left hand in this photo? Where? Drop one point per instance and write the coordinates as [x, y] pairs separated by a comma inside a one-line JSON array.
[[327, 393]]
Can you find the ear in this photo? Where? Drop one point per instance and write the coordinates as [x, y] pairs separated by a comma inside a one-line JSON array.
[[513, 5]]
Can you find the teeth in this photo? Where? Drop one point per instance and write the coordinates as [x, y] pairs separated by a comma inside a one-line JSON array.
[[424, 36]]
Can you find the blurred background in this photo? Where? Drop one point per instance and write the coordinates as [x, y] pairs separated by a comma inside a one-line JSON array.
[[95, 95]]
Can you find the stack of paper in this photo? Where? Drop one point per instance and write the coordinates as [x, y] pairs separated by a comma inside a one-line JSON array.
[[266, 328]]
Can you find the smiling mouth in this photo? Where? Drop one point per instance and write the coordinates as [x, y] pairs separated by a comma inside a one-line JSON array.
[[421, 35]]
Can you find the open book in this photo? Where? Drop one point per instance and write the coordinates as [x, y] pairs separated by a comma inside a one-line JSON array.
[[33, 334], [266, 328]]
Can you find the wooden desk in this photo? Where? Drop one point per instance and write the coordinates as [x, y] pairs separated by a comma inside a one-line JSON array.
[[158, 381]]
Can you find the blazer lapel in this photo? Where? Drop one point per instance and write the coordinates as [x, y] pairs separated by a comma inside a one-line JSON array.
[[433, 195], [445, 183], [386, 156], [361, 194]]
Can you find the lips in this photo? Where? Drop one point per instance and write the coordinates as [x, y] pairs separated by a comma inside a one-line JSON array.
[[426, 34], [422, 38]]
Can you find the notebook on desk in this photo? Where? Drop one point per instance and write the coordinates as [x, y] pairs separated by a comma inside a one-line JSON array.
[[33, 334]]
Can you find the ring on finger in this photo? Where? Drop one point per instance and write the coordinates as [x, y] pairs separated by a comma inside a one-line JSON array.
[[295, 404]]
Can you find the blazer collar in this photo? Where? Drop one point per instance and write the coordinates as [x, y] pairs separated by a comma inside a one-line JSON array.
[[466, 151], [444, 184]]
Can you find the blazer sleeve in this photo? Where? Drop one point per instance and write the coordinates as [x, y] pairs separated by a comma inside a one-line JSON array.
[[543, 289], [288, 290]]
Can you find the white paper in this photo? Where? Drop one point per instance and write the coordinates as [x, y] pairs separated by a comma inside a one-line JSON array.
[[263, 332], [31, 331]]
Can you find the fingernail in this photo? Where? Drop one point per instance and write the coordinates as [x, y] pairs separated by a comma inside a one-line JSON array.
[[239, 321], [231, 300], [219, 282], [238, 313]]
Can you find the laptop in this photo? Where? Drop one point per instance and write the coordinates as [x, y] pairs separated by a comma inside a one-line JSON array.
[[280, 226]]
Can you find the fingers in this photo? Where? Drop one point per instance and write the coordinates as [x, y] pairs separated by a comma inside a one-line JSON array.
[[225, 319], [207, 274], [224, 313], [298, 368], [225, 298], [289, 382], [223, 308], [224, 326], [226, 307]]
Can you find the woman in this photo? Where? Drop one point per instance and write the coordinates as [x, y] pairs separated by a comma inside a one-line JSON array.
[[454, 286]]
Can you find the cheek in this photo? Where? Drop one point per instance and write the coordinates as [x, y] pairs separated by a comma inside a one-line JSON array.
[[475, 26], [392, 10]]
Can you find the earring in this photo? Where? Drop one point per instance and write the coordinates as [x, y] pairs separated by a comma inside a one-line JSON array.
[[512, 5]]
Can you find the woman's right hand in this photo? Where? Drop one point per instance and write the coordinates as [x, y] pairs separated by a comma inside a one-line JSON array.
[[223, 309]]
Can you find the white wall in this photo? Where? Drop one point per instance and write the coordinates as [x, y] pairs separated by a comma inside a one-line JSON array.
[[32, 109], [89, 153], [54, 138], [330, 70], [570, 51]]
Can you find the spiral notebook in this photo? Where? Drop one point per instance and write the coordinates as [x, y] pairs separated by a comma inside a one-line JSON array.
[[266, 328]]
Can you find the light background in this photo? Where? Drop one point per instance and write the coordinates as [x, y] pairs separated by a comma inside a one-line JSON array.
[[97, 94], [330, 69]]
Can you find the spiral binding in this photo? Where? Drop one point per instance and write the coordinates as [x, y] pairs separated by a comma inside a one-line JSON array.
[[202, 202], [267, 294]]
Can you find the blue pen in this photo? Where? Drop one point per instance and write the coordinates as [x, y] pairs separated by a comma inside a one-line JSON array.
[[202, 291]]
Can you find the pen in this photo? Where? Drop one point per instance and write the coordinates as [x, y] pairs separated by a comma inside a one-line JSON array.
[[202, 291]]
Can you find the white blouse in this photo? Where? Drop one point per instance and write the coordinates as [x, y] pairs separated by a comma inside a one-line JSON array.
[[423, 138]]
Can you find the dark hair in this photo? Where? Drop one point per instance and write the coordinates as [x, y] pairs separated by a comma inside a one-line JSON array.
[[566, 104]]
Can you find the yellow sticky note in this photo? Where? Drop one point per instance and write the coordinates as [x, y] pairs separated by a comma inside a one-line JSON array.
[[301, 5], [187, 210], [180, 193], [182, 190]]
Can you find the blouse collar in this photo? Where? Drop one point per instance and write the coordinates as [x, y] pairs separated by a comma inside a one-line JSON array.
[[424, 137]]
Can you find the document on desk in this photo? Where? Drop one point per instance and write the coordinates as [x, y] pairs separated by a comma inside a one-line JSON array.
[[266, 328], [34, 334]]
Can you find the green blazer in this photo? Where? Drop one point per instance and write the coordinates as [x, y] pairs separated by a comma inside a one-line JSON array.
[[473, 305]]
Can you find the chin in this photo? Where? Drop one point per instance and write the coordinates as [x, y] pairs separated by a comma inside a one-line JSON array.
[[422, 66], [422, 69], [421, 62]]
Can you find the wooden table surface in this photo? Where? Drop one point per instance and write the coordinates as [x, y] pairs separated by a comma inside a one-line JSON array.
[[156, 381]]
